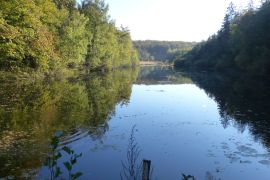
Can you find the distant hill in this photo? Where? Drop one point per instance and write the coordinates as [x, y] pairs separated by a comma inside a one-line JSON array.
[[150, 50]]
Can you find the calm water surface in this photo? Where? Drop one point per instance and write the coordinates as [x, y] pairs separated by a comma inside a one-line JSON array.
[[206, 125]]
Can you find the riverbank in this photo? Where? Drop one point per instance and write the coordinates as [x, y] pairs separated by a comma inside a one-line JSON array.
[[31, 76], [154, 63], [57, 74]]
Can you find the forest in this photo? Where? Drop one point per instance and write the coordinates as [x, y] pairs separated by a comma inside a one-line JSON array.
[[49, 34], [242, 43], [150, 50]]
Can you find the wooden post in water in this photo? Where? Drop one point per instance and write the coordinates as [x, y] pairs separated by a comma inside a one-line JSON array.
[[146, 170]]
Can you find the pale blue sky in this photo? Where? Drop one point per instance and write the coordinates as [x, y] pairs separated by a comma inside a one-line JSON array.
[[186, 20]]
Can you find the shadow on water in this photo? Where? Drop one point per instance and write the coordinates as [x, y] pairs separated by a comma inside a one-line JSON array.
[[30, 113], [243, 101]]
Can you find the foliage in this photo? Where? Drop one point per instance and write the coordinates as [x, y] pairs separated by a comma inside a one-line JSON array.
[[55, 155], [49, 34], [242, 43], [25, 40], [162, 50], [187, 177], [73, 39], [72, 161]]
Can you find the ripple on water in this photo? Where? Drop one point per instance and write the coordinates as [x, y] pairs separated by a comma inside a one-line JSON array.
[[264, 162], [247, 150]]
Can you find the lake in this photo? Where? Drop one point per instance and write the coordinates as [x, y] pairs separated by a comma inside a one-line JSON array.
[[210, 126]]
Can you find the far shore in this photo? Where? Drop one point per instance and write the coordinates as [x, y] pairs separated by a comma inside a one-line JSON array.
[[154, 63]]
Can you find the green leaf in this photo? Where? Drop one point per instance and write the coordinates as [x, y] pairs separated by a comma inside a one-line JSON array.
[[54, 142], [59, 155], [73, 161], [76, 175], [68, 166], [80, 155], [58, 172], [53, 163], [67, 150]]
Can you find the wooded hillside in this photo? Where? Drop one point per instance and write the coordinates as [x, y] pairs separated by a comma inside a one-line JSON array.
[[161, 50]]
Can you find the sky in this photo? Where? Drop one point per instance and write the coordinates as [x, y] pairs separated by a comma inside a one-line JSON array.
[[172, 20]]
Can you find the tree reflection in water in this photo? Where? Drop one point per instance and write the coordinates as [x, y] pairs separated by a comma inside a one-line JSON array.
[[31, 112], [243, 101]]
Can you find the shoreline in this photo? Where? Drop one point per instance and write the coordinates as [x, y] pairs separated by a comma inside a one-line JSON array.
[[154, 63]]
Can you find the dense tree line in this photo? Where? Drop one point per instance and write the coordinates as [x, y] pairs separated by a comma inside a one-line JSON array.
[[46, 34], [242, 43], [161, 50]]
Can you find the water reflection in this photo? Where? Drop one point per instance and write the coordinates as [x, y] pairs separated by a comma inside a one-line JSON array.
[[243, 101], [161, 75], [30, 112], [206, 125]]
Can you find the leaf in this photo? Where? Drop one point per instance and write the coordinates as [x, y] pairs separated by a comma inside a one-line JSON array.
[[53, 163], [68, 166], [58, 172], [59, 155], [80, 155], [76, 175], [67, 150], [54, 142], [187, 177], [73, 161]]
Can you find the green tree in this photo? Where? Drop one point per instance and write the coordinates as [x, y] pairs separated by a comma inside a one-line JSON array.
[[73, 39], [68, 4], [49, 34], [242, 44], [96, 11], [25, 40]]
